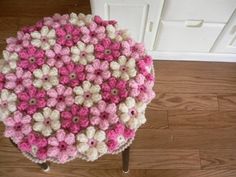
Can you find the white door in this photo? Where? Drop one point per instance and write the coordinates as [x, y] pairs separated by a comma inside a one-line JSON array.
[[140, 17]]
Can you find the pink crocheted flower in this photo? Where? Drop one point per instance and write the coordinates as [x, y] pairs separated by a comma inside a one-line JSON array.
[[18, 80], [62, 146], [56, 20], [107, 50], [75, 118], [103, 115], [72, 74], [60, 97], [68, 35], [132, 49], [117, 136], [100, 21], [2, 81], [115, 90], [34, 144], [31, 58], [17, 126], [93, 33], [58, 56], [141, 88], [145, 69], [16, 44], [31, 100], [98, 71]]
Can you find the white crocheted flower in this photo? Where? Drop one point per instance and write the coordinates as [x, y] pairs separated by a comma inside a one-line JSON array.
[[87, 94], [10, 61], [92, 143], [124, 68], [114, 33], [82, 53], [47, 122], [132, 113], [80, 19], [44, 39], [7, 103], [46, 77]]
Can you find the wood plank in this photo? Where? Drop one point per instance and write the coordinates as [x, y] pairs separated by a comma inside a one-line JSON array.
[[164, 159], [8, 27], [185, 139], [202, 119], [181, 101], [155, 119], [191, 173], [227, 102], [218, 159], [195, 77], [25, 8]]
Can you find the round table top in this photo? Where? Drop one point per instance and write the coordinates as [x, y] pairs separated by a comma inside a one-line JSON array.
[[74, 85]]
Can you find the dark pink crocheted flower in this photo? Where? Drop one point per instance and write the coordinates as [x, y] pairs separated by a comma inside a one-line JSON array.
[[2, 81], [102, 22], [31, 100], [144, 66], [107, 50], [115, 90], [72, 74], [68, 35], [35, 144], [31, 58], [75, 118]]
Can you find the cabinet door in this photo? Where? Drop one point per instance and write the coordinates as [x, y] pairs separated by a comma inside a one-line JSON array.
[[140, 17], [226, 42]]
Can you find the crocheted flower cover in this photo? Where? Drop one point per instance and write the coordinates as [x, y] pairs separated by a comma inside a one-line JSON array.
[[73, 86]]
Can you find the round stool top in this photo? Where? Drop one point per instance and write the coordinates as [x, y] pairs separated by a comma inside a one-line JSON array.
[[74, 86]]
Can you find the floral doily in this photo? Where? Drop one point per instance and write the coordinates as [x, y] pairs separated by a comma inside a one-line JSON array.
[[74, 86]]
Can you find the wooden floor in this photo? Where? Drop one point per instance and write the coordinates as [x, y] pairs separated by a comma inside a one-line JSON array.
[[191, 128]]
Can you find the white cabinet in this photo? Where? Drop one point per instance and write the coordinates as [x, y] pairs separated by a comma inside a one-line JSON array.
[[177, 29]]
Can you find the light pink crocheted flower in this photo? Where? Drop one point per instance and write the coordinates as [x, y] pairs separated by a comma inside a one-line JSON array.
[[93, 33], [34, 144], [58, 56], [97, 19], [18, 80], [115, 90], [98, 71], [16, 44], [31, 58], [132, 49], [144, 68], [103, 115], [141, 88], [71, 74], [2, 81], [107, 50], [75, 118], [117, 136], [17, 126], [56, 20], [60, 97], [31, 100], [62, 146], [68, 35]]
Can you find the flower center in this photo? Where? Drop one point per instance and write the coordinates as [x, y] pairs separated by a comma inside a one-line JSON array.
[[72, 76], [75, 119], [58, 57], [92, 142], [31, 59], [92, 33], [18, 126], [44, 39], [61, 98], [104, 115], [19, 81], [82, 54], [45, 78], [142, 88], [32, 101], [133, 112], [68, 36], [114, 91], [123, 68], [87, 95], [4, 104], [19, 42], [98, 72], [47, 121], [107, 51], [62, 146]]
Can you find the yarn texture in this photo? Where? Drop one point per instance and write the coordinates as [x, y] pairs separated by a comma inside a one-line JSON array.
[[74, 86]]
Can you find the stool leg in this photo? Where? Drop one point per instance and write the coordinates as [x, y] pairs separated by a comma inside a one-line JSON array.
[[44, 166], [125, 160]]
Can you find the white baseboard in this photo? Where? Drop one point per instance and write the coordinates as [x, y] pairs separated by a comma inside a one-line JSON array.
[[213, 57]]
